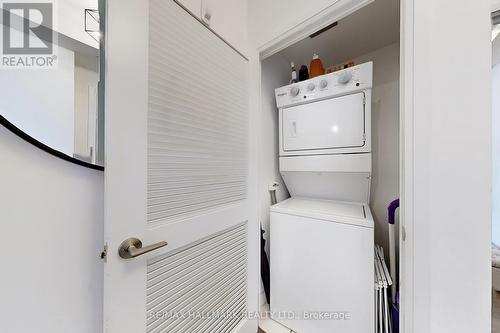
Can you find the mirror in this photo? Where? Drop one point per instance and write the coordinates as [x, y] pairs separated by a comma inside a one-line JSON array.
[[50, 78], [495, 37]]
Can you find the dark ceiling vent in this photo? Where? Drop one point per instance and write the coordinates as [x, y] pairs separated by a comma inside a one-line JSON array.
[[320, 31]]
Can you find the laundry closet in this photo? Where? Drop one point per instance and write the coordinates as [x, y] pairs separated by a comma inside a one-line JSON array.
[[329, 146]]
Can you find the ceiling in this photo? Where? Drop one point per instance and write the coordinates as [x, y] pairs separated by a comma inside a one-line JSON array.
[[372, 27]]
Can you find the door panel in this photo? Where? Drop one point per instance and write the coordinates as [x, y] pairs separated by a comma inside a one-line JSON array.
[[342, 124], [197, 121], [177, 171], [206, 277]]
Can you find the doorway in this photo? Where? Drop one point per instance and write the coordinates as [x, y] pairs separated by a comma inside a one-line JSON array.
[[382, 47], [495, 249]]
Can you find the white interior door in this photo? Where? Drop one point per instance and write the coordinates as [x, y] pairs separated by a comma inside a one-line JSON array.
[[177, 171]]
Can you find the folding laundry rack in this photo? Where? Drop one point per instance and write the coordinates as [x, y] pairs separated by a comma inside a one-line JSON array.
[[383, 282]]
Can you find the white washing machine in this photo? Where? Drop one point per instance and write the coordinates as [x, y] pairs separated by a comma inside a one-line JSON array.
[[322, 238]]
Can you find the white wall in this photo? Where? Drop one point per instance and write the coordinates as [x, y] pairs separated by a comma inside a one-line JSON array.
[[447, 161], [41, 102], [51, 214], [275, 73], [495, 232], [496, 154], [385, 135]]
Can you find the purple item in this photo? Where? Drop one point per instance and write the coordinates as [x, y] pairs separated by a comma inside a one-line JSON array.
[[392, 253], [392, 211], [395, 317]]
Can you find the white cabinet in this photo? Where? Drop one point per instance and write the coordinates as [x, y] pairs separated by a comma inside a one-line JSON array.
[[194, 6], [228, 19]]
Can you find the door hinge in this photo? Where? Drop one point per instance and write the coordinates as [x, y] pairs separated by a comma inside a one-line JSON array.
[[403, 233], [104, 253]]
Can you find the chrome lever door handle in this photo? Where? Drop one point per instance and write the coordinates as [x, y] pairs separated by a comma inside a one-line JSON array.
[[132, 248]]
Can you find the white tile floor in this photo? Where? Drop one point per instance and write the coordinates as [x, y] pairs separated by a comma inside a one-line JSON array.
[[270, 326]]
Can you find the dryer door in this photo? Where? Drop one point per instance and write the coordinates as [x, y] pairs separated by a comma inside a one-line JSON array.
[[329, 124]]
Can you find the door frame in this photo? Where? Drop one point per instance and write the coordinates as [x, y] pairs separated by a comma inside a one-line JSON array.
[[406, 176], [331, 14]]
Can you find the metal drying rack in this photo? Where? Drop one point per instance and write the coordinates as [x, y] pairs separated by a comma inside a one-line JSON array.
[[383, 282]]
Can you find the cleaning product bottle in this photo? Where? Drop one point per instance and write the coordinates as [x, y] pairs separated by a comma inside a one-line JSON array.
[[303, 73], [316, 68], [294, 74]]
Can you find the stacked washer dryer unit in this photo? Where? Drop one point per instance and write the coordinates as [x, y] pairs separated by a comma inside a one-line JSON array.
[[322, 238]]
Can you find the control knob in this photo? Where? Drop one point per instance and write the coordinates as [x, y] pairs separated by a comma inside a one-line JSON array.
[[345, 77], [294, 91]]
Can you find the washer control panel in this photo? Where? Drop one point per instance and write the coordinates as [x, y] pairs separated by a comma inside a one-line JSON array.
[[343, 82]]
